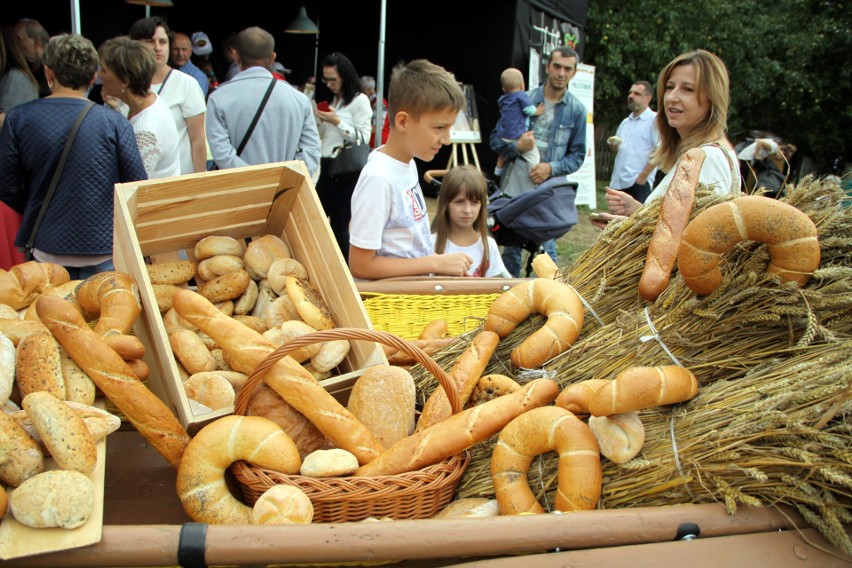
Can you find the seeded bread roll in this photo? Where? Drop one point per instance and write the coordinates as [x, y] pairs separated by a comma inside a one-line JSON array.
[[309, 303], [177, 272], [226, 287], [163, 295], [62, 431], [25, 458], [39, 366], [56, 498]]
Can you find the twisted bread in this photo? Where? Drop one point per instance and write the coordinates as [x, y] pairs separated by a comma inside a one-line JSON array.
[[148, 414], [23, 283], [643, 387], [556, 300], [113, 298], [200, 481], [675, 208], [535, 432], [460, 431], [464, 375], [247, 349], [791, 237], [575, 398]]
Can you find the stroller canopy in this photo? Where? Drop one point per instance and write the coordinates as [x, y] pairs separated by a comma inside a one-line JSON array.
[[547, 212]]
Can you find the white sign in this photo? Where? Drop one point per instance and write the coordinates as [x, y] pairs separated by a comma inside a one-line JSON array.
[[582, 86]]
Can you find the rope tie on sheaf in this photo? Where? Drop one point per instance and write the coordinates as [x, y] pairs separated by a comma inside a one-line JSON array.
[[589, 307], [655, 336]]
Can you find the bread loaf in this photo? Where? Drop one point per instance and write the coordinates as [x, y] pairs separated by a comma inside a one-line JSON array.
[[201, 483], [329, 463], [790, 235], [575, 398], [282, 505], [460, 431], [174, 273], [464, 376], [620, 436], [62, 431], [39, 366], [267, 403], [218, 244], [55, 498], [556, 300], [148, 414], [383, 400], [643, 387], [536, 432], [112, 298], [675, 208], [23, 283], [247, 349], [24, 456]]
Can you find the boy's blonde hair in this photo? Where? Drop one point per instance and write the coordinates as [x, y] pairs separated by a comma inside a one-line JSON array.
[[419, 87], [511, 79]]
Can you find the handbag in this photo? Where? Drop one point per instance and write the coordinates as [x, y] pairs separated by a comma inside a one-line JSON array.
[[28, 249], [349, 159]]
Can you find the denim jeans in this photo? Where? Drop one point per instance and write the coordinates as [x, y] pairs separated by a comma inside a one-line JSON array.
[[83, 272], [512, 257]]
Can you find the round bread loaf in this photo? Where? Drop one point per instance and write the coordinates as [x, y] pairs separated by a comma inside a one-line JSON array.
[[262, 252], [329, 463], [383, 399], [282, 505], [56, 498]]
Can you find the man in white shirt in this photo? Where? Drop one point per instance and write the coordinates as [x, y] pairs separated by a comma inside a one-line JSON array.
[[636, 138]]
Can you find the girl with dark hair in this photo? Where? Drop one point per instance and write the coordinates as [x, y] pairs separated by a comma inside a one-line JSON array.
[[345, 119], [460, 222]]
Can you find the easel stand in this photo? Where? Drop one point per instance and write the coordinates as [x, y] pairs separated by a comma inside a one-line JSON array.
[[466, 147]]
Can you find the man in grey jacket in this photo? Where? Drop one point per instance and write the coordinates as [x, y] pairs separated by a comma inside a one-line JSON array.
[[286, 128]]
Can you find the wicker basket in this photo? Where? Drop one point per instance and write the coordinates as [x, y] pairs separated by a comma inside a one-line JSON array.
[[411, 495], [406, 315]]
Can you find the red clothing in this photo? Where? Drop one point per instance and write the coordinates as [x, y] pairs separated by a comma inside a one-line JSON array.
[[9, 223], [385, 126]]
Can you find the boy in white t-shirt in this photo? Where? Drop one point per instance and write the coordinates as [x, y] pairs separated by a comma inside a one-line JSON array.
[[389, 233]]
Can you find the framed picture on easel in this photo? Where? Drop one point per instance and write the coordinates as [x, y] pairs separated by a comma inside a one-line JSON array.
[[466, 128]]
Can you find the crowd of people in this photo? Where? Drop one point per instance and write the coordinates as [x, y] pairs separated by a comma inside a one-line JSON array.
[[163, 112]]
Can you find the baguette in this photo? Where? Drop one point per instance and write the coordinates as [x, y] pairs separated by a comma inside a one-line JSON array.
[[791, 237], [643, 387], [435, 329], [544, 267], [556, 300], [536, 432], [247, 349], [23, 283], [675, 208], [201, 484], [112, 298], [148, 414], [464, 376], [460, 431]]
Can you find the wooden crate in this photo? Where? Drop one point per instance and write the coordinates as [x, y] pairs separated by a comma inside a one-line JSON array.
[[172, 214]]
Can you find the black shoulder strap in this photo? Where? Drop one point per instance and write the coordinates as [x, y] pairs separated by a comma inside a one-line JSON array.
[[56, 175], [256, 116]]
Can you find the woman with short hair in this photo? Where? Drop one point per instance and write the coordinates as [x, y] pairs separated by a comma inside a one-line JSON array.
[[126, 68]]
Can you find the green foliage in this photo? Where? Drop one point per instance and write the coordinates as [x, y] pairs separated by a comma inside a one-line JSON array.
[[788, 61]]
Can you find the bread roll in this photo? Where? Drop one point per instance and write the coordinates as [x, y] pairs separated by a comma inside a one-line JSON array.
[[245, 303], [210, 389], [4, 501], [536, 432], [281, 269], [464, 376], [556, 300], [490, 387], [281, 310], [435, 329], [62, 431], [112, 298], [330, 355], [128, 346], [460, 431], [210, 268], [318, 375], [309, 303], [282, 505], [290, 330], [225, 287], [234, 378], [140, 368], [469, 508], [191, 351], [8, 356], [620, 436], [65, 291], [23, 283], [39, 366], [383, 400], [267, 403], [173, 322], [163, 296], [218, 244], [148, 414], [78, 386], [201, 483], [219, 358], [643, 387], [675, 207], [25, 458], [16, 329], [226, 307], [544, 267], [791, 237], [254, 323], [265, 297], [8, 312], [177, 272], [54, 498], [329, 463], [262, 252]]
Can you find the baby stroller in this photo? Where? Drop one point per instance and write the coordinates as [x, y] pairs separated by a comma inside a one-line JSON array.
[[530, 219]]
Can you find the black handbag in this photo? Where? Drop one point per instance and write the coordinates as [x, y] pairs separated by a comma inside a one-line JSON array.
[[349, 159]]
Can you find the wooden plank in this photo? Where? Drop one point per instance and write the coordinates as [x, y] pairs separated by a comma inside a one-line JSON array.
[[18, 540]]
